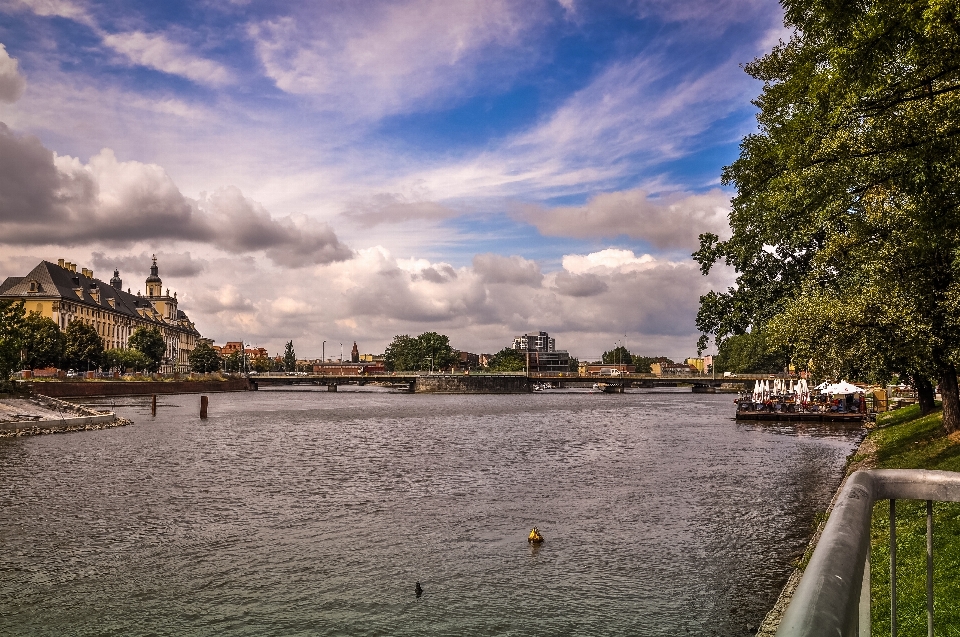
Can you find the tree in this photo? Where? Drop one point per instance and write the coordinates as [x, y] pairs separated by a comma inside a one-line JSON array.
[[429, 350], [204, 358], [233, 362], [751, 353], [643, 363], [508, 360], [84, 347], [122, 359], [848, 191], [149, 340], [289, 358], [261, 364], [43, 342], [436, 347], [619, 355], [11, 338]]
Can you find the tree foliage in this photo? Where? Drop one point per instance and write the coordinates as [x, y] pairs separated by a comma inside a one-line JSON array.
[[122, 359], [233, 362], [643, 363], [751, 353], [619, 355], [407, 353], [204, 358], [846, 221], [12, 317], [508, 360], [43, 342], [149, 340], [289, 358], [84, 347]]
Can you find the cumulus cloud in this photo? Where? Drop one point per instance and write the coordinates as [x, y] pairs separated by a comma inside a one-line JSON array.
[[156, 51], [12, 83], [174, 264], [494, 268], [386, 208], [47, 199], [379, 58], [672, 221]]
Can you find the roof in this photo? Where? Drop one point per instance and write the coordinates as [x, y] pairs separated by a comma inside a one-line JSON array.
[[54, 281]]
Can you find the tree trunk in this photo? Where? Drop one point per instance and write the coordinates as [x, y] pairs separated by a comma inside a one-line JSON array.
[[951, 398], [925, 394]]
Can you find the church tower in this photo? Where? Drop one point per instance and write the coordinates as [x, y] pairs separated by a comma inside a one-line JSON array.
[[116, 281], [154, 287]]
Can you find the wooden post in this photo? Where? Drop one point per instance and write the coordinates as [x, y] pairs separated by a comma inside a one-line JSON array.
[[153, 405], [331, 387], [203, 407]]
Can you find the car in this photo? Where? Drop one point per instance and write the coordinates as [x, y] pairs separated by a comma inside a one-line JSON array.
[[72, 373]]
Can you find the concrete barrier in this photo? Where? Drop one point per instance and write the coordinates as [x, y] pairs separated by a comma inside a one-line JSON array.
[[61, 389]]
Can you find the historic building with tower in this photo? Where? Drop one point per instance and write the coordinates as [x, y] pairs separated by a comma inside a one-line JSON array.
[[57, 291]]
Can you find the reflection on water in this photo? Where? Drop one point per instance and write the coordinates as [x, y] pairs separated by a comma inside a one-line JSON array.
[[307, 512]]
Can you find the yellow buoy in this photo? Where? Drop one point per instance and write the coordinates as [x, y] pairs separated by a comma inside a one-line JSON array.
[[535, 537]]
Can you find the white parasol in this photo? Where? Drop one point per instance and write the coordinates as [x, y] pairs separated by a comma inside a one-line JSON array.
[[841, 388]]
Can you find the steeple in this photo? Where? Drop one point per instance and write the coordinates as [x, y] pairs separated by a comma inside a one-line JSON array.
[[115, 281], [154, 287]]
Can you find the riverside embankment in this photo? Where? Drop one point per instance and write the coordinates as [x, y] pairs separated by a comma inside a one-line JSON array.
[[903, 439], [45, 415], [108, 387]]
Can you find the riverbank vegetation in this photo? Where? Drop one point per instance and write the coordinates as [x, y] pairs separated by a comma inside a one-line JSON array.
[[907, 439], [846, 219]]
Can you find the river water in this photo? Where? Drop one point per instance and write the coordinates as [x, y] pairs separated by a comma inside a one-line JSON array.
[[314, 513]]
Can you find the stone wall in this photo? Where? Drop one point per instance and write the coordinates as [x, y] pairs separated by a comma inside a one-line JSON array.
[[463, 384], [135, 388]]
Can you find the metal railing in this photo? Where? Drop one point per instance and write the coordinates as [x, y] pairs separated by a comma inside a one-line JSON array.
[[833, 597]]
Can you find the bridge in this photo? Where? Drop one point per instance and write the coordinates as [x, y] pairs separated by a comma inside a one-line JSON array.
[[506, 383]]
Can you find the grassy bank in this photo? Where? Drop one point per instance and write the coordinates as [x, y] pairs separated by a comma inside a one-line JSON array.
[[905, 440]]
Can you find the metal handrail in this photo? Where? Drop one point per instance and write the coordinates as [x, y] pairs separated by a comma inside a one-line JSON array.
[[833, 597]]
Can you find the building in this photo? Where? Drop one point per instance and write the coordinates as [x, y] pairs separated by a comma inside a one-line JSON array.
[[57, 291], [542, 353]]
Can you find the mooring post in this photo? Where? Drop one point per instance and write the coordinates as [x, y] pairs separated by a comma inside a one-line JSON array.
[[203, 407], [153, 405]]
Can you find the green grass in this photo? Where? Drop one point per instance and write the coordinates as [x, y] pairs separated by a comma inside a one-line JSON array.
[[905, 440]]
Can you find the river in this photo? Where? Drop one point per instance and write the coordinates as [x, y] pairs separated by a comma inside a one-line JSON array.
[[305, 512]]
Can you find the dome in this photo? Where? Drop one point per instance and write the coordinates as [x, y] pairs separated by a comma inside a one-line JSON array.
[[154, 276]]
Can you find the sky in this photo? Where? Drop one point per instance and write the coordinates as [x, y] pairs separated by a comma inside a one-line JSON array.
[[350, 170]]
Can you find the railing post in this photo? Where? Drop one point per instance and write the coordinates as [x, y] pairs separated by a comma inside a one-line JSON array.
[[864, 625], [893, 568], [929, 568]]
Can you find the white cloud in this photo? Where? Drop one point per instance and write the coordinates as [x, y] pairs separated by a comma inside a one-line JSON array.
[[383, 58], [12, 83], [56, 8], [45, 198], [671, 221], [156, 51]]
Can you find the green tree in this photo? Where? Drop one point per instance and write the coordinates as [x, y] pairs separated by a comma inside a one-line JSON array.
[[261, 364], [406, 353], [289, 358], [574, 364], [84, 347], [619, 355], [122, 359], [43, 342], [751, 353], [848, 191], [508, 360], [149, 340], [233, 362], [11, 338], [643, 363], [436, 347], [204, 358]]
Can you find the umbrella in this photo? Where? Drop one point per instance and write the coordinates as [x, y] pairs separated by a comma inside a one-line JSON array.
[[822, 385], [843, 387]]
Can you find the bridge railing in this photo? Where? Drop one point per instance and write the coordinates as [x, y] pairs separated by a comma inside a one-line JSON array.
[[833, 597]]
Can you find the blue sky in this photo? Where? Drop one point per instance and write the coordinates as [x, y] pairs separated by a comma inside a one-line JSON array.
[[355, 170]]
